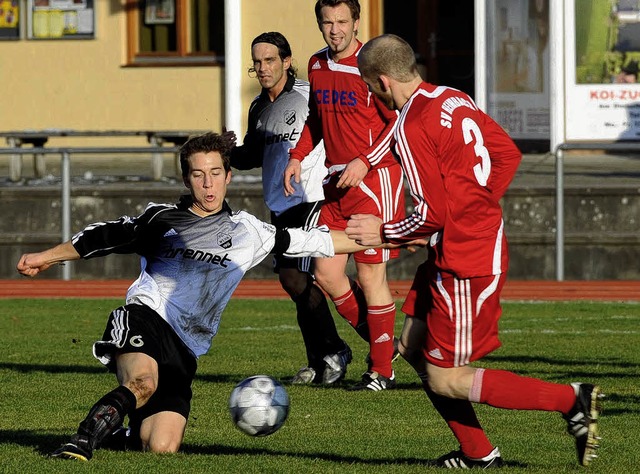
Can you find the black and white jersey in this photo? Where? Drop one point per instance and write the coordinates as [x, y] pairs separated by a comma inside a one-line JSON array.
[[274, 128], [191, 265]]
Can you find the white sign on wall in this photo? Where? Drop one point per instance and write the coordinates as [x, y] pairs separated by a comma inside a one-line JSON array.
[[601, 66], [517, 66]]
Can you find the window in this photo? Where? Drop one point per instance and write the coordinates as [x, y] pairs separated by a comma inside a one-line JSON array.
[[175, 32], [9, 19], [49, 19]]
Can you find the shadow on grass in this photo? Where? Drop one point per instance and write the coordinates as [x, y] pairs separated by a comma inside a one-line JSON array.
[[44, 444], [556, 362], [54, 368]]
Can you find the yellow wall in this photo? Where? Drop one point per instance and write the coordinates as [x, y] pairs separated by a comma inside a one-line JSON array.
[[83, 84]]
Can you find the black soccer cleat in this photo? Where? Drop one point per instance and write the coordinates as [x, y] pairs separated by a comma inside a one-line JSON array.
[[457, 460], [77, 448], [582, 421], [375, 382]]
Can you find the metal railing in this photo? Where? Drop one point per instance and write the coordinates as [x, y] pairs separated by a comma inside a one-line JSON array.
[[65, 174], [559, 162], [38, 139], [156, 152]]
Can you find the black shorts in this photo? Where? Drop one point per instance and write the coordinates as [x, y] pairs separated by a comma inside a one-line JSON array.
[[137, 328], [303, 215]]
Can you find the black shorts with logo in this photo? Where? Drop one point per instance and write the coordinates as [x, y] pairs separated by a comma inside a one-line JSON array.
[[137, 328]]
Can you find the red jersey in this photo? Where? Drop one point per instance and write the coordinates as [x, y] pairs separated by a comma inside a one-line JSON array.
[[351, 120], [458, 163]]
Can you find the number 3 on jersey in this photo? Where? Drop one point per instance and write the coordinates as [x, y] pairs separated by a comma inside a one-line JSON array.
[[472, 133]]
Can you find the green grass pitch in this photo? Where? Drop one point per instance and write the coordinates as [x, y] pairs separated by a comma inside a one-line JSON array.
[[49, 379]]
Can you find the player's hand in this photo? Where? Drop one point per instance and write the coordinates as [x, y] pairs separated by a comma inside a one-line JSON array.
[[364, 229], [291, 171], [30, 264], [353, 174], [230, 135]]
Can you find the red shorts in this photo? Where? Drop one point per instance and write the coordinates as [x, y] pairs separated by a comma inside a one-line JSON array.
[[381, 193], [461, 315]]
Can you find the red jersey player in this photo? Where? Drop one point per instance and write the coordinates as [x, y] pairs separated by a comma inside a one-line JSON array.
[[364, 177], [458, 164]]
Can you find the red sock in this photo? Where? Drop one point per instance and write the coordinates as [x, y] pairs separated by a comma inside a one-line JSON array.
[[381, 320], [462, 420], [352, 306], [347, 307], [503, 389]]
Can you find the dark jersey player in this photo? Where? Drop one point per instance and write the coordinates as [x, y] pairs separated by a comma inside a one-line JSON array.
[[193, 254], [276, 118]]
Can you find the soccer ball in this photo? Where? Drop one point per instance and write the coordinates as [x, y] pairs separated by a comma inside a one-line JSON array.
[[259, 405]]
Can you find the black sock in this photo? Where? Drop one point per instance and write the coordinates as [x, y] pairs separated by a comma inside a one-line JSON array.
[[107, 415]]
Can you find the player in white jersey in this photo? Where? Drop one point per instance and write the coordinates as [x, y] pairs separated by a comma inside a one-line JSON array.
[[193, 255], [276, 119]]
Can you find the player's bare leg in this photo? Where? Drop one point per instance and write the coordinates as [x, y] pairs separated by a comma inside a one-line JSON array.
[[163, 432], [330, 275]]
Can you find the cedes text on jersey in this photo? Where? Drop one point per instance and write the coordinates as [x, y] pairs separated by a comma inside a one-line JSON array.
[[327, 96]]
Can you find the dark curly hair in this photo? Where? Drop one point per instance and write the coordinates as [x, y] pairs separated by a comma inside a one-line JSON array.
[[206, 143]]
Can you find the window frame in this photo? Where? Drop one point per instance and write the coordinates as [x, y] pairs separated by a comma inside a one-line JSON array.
[[181, 57]]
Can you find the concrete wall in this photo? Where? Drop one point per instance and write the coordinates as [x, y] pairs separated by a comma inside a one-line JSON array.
[[601, 228]]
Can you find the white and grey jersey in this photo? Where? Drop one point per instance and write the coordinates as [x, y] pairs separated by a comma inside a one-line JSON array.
[[274, 128], [191, 265]]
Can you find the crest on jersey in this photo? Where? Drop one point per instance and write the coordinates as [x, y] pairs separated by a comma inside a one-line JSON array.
[[224, 240], [289, 117]]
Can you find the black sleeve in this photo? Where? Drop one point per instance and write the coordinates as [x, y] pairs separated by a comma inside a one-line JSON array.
[[283, 239], [249, 155], [123, 236]]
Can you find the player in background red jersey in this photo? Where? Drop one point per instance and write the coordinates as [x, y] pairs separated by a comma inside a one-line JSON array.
[[363, 177], [458, 163]]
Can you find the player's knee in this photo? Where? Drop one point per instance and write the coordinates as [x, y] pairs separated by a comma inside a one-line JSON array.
[[323, 278], [438, 387], [371, 276], [294, 282], [413, 355], [162, 445], [447, 382], [142, 387]]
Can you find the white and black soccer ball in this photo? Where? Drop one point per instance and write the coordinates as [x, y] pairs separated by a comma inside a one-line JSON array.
[[259, 405]]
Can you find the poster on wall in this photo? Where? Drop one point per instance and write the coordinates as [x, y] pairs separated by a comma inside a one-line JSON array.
[[518, 95], [9, 19], [158, 12], [602, 94], [61, 19]]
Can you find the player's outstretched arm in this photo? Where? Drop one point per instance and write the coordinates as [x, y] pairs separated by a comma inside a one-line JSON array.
[[321, 242], [365, 230], [343, 244], [30, 264]]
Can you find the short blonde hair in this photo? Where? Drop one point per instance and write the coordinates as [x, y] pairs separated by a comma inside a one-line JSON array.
[[388, 55]]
